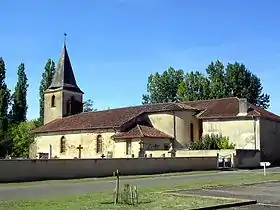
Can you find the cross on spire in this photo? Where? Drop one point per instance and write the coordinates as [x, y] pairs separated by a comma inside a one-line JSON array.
[[65, 35]]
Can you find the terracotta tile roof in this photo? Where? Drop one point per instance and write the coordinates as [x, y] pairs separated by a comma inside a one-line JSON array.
[[141, 131], [113, 118], [227, 107], [264, 113]]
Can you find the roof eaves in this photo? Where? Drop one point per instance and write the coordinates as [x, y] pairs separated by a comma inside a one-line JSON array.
[[200, 113], [141, 132], [132, 118], [80, 129]]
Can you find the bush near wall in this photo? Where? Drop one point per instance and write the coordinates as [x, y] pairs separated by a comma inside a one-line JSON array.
[[212, 142]]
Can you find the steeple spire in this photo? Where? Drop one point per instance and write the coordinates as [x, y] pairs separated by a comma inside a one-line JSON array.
[[64, 76]]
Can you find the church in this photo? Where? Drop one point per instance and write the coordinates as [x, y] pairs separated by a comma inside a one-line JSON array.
[[145, 130]]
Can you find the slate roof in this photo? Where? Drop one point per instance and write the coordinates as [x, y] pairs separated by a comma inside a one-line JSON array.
[[64, 75], [141, 131], [115, 118]]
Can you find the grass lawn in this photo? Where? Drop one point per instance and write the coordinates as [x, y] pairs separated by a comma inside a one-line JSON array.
[[103, 201], [109, 178], [150, 197]]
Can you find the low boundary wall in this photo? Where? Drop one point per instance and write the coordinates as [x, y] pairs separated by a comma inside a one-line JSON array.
[[190, 153], [247, 159], [44, 169], [239, 158]]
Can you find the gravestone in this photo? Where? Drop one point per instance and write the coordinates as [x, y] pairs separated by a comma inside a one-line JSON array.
[[50, 154]]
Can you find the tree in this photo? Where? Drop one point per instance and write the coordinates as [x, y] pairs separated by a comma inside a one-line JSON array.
[[195, 86], [46, 81], [23, 137], [218, 84], [4, 103], [88, 106], [234, 80], [163, 88], [19, 100], [243, 84]]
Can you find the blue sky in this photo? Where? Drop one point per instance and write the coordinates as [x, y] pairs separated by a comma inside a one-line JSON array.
[[115, 44]]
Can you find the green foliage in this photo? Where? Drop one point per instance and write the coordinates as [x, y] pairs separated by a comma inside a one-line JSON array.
[[46, 81], [19, 100], [243, 84], [218, 83], [163, 88], [234, 80], [22, 136], [88, 106], [195, 86], [4, 103], [212, 142]]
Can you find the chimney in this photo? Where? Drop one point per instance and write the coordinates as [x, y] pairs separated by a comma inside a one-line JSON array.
[[243, 107]]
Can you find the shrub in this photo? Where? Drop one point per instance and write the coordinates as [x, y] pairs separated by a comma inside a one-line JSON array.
[[213, 141]]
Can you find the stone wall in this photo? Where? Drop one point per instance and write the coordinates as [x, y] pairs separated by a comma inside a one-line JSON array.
[[31, 170], [177, 125], [191, 153], [270, 137], [239, 158], [244, 133], [247, 158], [88, 140]]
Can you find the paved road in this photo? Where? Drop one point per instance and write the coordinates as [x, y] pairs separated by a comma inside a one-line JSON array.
[[13, 192], [266, 194]]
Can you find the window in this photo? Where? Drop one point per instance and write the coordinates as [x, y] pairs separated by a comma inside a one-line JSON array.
[[70, 106], [191, 132], [53, 101], [128, 147], [99, 144], [62, 144]]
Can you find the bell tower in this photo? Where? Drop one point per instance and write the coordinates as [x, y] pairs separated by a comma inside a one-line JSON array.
[[63, 97]]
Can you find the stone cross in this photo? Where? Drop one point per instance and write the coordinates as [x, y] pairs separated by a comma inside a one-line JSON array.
[[117, 190], [80, 150]]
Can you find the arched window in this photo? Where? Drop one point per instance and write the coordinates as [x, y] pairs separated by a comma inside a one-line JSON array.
[[70, 103], [53, 101], [62, 144], [99, 144], [68, 108]]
